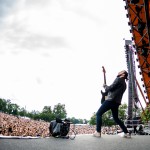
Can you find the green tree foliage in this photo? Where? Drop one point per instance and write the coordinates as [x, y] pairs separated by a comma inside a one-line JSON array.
[[78, 121], [3, 105], [35, 114], [8, 107], [93, 119], [47, 114], [107, 119], [15, 109], [22, 112], [74, 120], [47, 109], [146, 114], [60, 111], [122, 111]]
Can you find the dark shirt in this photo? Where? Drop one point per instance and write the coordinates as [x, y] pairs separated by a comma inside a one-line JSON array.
[[116, 90]]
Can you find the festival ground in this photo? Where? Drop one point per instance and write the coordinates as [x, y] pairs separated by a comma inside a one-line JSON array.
[[81, 142]]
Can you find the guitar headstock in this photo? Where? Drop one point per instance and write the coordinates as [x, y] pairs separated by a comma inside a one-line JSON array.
[[103, 69]]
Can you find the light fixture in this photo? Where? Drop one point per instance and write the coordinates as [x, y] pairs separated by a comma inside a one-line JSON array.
[[148, 74], [141, 27], [138, 9], [144, 42], [134, 1], [130, 31], [125, 7], [144, 52]]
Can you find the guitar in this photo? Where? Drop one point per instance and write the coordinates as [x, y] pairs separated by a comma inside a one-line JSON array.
[[104, 94]]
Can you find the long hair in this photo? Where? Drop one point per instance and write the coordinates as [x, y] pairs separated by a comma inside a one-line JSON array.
[[126, 75]]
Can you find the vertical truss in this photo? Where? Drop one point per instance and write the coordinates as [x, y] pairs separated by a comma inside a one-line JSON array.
[[132, 86]]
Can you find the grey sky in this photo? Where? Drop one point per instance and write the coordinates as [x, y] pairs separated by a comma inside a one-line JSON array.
[[52, 51]]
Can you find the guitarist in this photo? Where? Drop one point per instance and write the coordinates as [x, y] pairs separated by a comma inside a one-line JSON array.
[[113, 101]]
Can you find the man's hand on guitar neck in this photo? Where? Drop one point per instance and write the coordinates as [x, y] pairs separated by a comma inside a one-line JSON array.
[[104, 85]]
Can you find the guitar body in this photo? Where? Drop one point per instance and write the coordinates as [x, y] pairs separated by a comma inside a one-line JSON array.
[[104, 94]]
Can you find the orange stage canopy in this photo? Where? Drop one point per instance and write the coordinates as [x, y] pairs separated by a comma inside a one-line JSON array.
[[138, 12]]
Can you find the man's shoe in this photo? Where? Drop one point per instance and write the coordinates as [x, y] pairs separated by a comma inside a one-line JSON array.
[[126, 135], [97, 134]]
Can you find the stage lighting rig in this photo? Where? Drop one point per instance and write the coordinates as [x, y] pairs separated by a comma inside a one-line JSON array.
[[141, 27], [134, 1], [144, 52]]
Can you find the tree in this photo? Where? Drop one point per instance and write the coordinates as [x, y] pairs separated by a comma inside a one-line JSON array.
[[47, 109], [145, 116], [47, 114], [15, 109], [74, 120], [22, 111], [59, 111], [9, 106], [3, 104], [122, 111], [78, 121], [35, 114], [93, 119]]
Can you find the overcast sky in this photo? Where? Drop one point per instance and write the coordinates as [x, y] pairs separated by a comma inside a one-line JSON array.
[[52, 51]]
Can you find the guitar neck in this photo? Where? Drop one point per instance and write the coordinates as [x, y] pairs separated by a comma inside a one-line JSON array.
[[104, 73], [104, 78]]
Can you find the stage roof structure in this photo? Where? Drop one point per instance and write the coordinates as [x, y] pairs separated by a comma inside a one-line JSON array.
[[138, 12]]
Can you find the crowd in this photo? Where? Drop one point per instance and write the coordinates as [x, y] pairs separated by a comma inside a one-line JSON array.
[[19, 126]]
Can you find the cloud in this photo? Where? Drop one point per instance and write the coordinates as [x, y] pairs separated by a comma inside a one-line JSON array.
[[34, 42], [81, 8], [37, 3], [19, 40], [38, 80], [23, 29], [6, 6]]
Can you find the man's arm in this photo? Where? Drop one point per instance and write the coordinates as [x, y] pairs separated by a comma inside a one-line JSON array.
[[113, 86]]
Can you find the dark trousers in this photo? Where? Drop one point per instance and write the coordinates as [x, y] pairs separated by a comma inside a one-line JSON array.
[[107, 105]]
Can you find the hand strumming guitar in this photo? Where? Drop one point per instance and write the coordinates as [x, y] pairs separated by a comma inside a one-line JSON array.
[[104, 86]]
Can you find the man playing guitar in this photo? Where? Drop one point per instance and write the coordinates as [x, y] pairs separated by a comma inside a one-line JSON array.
[[113, 101]]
